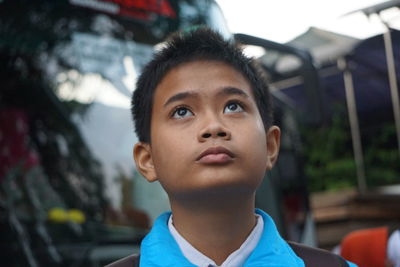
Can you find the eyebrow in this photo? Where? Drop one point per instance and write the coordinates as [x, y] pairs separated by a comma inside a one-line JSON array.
[[232, 91], [222, 92], [180, 96]]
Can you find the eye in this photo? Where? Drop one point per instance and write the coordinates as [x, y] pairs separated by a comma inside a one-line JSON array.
[[233, 107], [181, 112]]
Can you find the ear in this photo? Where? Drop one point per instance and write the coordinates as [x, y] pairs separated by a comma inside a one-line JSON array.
[[144, 161], [273, 144]]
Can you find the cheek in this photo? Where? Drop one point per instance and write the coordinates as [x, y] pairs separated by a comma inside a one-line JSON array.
[[256, 144], [169, 150]]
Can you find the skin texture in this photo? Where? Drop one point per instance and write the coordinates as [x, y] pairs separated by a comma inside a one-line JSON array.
[[205, 106]]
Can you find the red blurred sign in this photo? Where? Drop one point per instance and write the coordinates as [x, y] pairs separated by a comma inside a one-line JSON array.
[[139, 9]]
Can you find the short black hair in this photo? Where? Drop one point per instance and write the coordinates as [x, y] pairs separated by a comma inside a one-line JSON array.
[[183, 47]]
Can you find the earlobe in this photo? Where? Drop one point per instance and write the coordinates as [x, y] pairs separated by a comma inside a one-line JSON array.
[[144, 161], [273, 144]]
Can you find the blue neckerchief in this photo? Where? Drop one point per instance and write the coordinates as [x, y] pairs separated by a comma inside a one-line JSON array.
[[159, 248]]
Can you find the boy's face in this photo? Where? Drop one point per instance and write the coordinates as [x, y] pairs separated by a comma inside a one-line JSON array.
[[206, 133]]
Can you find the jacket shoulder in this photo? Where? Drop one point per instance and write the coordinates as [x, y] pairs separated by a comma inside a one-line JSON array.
[[317, 257], [130, 261]]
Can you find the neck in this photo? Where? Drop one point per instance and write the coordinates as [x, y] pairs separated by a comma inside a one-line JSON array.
[[215, 229]]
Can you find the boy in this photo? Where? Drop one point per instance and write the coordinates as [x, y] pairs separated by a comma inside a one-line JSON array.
[[203, 117]]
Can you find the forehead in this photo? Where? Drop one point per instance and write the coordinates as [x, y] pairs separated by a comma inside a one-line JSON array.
[[203, 77]]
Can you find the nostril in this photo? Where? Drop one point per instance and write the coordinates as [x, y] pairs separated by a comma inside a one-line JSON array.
[[206, 135], [222, 134]]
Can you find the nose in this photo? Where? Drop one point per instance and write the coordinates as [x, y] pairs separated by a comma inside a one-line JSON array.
[[214, 129]]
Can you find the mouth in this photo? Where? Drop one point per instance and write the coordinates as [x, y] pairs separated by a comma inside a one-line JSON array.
[[215, 155]]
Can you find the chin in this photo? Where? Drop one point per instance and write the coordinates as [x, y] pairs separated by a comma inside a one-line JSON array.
[[221, 188]]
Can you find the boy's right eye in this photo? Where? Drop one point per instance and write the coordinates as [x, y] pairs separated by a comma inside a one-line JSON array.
[[181, 112]]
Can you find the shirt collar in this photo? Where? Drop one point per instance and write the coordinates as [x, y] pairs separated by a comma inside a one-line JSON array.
[[272, 250], [159, 247], [235, 259]]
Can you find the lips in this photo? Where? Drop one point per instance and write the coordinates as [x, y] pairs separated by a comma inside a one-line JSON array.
[[216, 155]]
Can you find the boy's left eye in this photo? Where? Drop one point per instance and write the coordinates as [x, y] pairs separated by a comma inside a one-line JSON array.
[[233, 108]]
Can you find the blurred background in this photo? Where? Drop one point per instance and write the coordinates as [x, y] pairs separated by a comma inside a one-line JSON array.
[[69, 191]]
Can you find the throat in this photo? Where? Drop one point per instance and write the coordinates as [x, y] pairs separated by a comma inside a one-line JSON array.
[[216, 233]]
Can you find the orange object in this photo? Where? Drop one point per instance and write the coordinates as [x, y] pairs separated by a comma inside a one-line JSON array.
[[366, 248]]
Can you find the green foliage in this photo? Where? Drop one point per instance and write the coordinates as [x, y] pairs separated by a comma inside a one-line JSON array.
[[382, 156], [329, 158]]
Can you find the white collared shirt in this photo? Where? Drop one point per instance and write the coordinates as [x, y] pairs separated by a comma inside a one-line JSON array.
[[235, 259], [393, 248]]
